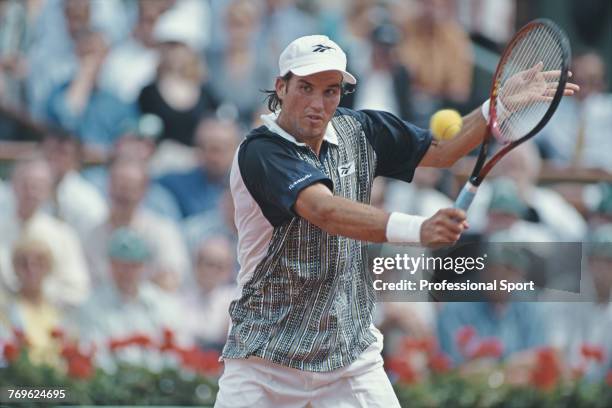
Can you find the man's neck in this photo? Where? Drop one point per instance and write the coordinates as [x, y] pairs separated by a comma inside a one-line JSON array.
[[314, 143]]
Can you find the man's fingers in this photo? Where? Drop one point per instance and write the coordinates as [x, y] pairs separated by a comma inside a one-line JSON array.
[[454, 213], [531, 72]]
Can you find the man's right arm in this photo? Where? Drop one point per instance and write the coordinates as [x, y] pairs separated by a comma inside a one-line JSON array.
[[339, 216]]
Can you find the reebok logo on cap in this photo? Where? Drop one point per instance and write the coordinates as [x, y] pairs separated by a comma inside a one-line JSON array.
[[312, 54]]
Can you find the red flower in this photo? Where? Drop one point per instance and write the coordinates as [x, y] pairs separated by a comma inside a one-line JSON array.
[[80, 367], [138, 339], [488, 347], [19, 336], [168, 341], [440, 363], [425, 344], [609, 378], [547, 371], [464, 336], [402, 368], [593, 352], [11, 352], [203, 362]]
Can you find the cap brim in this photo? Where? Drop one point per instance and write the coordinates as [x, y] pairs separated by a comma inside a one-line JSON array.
[[316, 68]]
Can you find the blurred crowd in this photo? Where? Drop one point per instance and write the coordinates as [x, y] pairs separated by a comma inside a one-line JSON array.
[[120, 220]]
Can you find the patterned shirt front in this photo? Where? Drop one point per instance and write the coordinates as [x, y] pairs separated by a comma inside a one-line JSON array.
[[306, 297]]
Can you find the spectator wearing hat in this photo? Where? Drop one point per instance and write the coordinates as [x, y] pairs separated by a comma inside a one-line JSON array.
[[128, 183], [31, 182], [128, 303]]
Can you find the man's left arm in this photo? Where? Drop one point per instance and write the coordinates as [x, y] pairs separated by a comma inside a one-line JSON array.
[[445, 153]]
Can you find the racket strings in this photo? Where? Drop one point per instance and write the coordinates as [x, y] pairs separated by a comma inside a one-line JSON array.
[[527, 82]]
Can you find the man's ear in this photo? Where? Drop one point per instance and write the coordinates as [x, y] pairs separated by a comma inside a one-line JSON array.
[[281, 87]]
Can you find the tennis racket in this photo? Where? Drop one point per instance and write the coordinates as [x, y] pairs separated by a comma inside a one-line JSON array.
[[528, 85]]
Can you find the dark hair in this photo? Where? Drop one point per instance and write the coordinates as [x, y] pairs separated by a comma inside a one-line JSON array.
[[274, 103]]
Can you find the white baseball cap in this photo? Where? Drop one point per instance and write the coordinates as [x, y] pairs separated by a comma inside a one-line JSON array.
[[311, 54]]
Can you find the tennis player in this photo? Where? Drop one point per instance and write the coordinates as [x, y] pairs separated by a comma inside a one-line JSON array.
[[302, 332]]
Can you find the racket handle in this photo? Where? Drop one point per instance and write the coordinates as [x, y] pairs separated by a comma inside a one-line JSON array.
[[466, 196]]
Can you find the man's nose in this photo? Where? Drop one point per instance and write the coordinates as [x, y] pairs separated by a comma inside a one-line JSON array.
[[316, 102]]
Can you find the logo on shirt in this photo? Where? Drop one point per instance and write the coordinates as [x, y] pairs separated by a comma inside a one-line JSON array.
[[346, 169], [298, 181], [321, 48]]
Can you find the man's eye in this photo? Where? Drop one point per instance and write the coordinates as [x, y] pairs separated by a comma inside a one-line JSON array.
[[306, 88], [331, 92]]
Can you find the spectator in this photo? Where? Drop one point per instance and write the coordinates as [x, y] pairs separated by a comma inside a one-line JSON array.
[[74, 199], [218, 222], [81, 107], [127, 304], [419, 197], [213, 292], [127, 186], [138, 145], [578, 134], [438, 55], [30, 310], [68, 283], [131, 64], [198, 190], [239, 68], [180, 95], [384, 83], [518, 326]]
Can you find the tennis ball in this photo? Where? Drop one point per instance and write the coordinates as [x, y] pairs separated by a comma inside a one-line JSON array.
[[445, 124]]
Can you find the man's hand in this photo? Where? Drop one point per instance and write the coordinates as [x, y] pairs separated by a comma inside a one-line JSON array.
[[444, 228]]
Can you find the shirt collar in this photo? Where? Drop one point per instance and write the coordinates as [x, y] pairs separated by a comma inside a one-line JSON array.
[[269, 121]]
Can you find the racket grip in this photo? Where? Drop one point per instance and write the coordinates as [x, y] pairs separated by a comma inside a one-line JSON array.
[[466, 196]]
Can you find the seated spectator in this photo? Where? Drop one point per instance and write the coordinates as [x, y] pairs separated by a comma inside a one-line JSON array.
[[74, 199], [207, 302], [437, 51], [127, 303], [29, 310], [517, 326], [419, 197], [180, 95], [68, 282], [384, 83], [130, 65], [578, 133], [239, 66], [198, 190], [127, 186], [218, 222], [138, 145], [79, 106]]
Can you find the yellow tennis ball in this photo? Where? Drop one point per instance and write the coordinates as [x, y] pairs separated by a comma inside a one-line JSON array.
[[445, 124]]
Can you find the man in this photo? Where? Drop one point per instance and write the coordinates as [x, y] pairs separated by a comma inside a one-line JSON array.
[[196, 191], [128, 184], [301, 330]]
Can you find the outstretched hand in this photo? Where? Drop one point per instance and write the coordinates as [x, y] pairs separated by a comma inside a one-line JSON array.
[[533, 85]]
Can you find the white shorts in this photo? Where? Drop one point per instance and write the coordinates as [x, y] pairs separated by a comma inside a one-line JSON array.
[[256, 382]]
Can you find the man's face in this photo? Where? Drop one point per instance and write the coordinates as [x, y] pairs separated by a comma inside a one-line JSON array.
[[32, 186], [128, 185], [308, 103], [217, 143]]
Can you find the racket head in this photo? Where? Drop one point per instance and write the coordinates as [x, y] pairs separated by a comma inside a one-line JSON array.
[[534, 64]]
